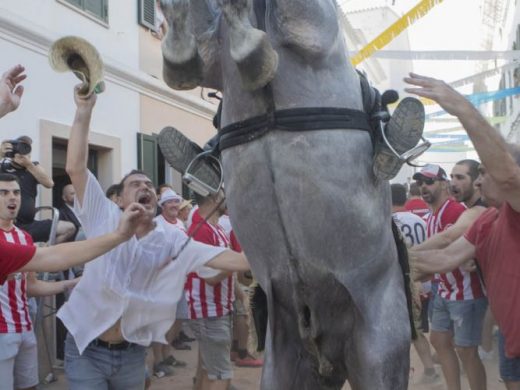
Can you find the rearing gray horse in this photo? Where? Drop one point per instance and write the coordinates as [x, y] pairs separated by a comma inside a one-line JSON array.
[[311, 216]]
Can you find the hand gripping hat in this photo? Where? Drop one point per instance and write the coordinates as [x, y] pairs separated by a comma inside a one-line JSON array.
[[79, 56]]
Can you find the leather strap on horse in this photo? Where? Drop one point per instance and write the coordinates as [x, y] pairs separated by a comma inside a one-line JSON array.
[[294, 119], [402, 254]]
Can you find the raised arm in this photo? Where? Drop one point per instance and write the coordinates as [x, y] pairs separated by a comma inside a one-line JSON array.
[[489, 143], [71, 254], [10, 89], [77, 151]]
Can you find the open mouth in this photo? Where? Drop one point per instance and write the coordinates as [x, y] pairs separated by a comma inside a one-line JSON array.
[[12, 207], [144, 199]]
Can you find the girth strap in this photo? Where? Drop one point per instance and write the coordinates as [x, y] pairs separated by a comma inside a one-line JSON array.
[[293, 119]]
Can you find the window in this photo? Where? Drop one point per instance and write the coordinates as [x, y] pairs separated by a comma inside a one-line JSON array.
[[96, 8], [147, 14]]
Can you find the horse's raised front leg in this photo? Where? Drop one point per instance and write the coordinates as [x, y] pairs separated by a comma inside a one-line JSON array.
[[250, 48], [309, 27], [182, 64]]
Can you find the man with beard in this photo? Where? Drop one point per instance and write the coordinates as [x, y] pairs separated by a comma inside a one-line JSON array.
[[462, 188], [459, 303], [493, 239], [127, 298]]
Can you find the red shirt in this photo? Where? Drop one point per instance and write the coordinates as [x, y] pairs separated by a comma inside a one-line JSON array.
[[496, 237], [206, 301], [235, 245], [13, 257], [417, 206], [457, 285], [14, 310]]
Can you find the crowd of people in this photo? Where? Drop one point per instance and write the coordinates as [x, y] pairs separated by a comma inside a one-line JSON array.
[[163, 266]]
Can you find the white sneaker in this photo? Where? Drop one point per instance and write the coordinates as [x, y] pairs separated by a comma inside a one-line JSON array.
[[484, 355], [429, 379]]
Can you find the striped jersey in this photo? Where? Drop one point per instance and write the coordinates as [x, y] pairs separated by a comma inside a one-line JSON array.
[[14, 310], [457, 285], [206, 301]]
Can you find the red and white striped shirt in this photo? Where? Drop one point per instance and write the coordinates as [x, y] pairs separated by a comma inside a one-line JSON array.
[[457, 285], [206, 301], [14, 311]]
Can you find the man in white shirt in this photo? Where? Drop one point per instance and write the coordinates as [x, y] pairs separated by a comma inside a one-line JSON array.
[[127, 298], [413, 229]]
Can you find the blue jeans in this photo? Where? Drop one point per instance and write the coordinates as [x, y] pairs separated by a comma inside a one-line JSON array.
[[103, 369], [509, 367]]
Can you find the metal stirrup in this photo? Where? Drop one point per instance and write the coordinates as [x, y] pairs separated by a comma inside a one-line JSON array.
[[197, 185]]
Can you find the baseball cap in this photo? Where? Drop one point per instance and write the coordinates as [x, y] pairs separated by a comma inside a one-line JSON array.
[[169, 195], [432, 171]]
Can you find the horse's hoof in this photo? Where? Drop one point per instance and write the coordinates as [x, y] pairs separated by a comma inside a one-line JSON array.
[[256, 60], [403, 131], [179, 151], [185, 75]]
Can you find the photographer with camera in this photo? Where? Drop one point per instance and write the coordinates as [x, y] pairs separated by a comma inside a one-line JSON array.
[[16, 160]]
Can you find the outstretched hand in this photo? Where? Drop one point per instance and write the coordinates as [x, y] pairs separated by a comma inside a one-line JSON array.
[[10, 89], [130, 219], [450, 100]]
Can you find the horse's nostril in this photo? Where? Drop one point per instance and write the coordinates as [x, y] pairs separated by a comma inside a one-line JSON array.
[[306, 316]]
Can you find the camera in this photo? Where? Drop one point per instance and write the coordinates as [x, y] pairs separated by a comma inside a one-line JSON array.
[[20, 147]]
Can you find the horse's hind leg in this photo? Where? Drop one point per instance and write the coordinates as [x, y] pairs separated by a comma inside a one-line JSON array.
[[250, 48], [182, 64]]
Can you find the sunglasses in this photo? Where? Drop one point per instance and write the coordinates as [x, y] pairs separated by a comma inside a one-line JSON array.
[[427, 180]]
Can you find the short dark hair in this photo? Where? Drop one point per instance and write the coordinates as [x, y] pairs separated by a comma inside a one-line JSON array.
[[114, 189], [132, 172], [398, 194], [9, 177], [472, 166], [415, 190]]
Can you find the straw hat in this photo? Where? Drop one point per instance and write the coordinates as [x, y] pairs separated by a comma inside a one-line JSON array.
[[79, 56]]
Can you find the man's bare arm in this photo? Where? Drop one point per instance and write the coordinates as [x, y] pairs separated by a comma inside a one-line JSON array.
[[77, 151], [489, 143], [35, 169], [71, 254], [446, 237], [441, 260], [41, 288], [229, 261]]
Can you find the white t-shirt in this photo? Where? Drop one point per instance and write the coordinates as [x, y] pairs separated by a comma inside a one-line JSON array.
[[179, 224], [136, 281], [413, 229]]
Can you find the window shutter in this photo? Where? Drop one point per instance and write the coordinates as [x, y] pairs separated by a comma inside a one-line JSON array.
[[147, 14], [147, 156]]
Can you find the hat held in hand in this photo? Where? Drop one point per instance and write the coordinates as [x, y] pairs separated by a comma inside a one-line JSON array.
[[79, 56]]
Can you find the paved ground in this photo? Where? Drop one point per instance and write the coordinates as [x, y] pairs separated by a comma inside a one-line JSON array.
[[249, 378]]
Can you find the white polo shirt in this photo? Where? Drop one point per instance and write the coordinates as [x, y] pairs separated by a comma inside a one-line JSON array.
[[136, 281]]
